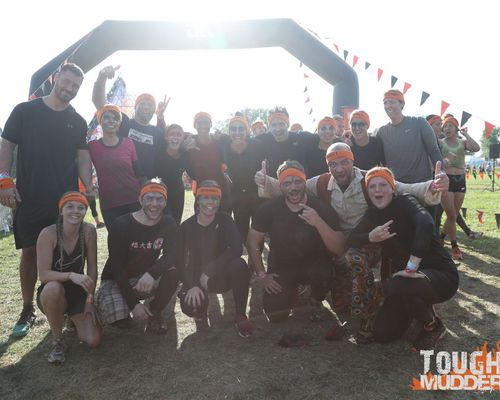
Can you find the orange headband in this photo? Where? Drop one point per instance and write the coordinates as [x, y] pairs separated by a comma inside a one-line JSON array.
[[334, 155], [381, 173], [153, 187], [278, 115], [209, 191], [108, 107], [434, 119], [238, 118], [451, 120], [363, 116], [73, 196], [201, 114], [395, 95], [145, 97], [291, 172], [327, 121]]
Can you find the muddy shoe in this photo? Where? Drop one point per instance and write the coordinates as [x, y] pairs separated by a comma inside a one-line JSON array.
[[429, 336], [244, 327], [156, 325]]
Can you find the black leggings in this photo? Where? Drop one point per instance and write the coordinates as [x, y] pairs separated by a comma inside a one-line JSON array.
[[233, 275], [405, 299], [244, 206], [165, 290], [317, 273]]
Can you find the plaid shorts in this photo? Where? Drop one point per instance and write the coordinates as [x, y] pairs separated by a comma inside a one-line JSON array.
[[111, 305]]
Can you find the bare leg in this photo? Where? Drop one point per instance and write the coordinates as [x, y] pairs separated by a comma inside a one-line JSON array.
[[54, 305], [28, 274]]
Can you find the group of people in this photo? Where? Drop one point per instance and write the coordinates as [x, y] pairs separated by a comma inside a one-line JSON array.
[[327, 202]]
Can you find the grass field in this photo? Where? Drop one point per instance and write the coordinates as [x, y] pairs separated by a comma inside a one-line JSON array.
[[221, 365]]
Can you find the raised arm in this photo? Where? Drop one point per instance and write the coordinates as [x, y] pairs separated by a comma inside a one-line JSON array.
[[99, 90]]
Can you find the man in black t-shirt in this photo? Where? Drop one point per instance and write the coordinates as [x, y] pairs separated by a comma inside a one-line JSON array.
[[280, 145], [303, 236], [146, 137], [141, 263], [50, 137]]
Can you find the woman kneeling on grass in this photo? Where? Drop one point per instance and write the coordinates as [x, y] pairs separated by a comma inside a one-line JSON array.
[[425, 275], [61, 250]]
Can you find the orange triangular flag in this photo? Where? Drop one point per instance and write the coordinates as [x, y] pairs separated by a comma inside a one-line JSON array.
[[487, 129], [444, 107], [354, 61], [306, 76], [379, 73], [406, 87], [480, 214]]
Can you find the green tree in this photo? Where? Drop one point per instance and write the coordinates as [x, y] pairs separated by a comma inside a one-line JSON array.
[[493, 139]]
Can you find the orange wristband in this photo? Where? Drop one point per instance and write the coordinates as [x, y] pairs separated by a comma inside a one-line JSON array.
[[7, 183]]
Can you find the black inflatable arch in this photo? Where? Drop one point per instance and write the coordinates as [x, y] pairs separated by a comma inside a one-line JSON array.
[[112, 36]]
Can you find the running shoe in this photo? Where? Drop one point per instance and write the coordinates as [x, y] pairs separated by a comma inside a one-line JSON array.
[[57, 354], [156, 325], [456, 254], [244, 327], [429, 336], [24, 323]]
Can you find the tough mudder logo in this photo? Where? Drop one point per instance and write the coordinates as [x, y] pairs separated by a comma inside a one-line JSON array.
[[479, 370]]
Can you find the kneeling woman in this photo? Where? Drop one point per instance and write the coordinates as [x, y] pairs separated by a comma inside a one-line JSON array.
[[62, 250], [425, 275], [210, 260]]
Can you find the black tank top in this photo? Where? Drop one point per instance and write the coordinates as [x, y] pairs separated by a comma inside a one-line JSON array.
[[70, 262]]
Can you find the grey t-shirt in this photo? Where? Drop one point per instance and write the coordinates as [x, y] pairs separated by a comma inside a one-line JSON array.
[[410, 149]]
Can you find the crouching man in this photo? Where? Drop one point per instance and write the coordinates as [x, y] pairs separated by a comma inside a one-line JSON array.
[[141, 263], [304, 235]]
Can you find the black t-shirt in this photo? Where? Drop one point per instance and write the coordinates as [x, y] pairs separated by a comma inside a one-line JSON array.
[[135, 248], [47, 145], [146, 138], [369, 156], [242, 167], [170, 169], [206, 249], [296, 147], [316, 161], [292, 240]]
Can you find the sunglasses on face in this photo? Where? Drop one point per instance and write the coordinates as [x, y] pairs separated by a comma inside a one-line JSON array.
[[357, 124], [237, 128]]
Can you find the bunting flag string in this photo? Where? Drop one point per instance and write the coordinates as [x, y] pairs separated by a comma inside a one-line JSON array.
[[488, 126]]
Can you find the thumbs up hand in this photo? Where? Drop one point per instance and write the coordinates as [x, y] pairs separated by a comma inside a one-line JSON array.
[[441, 183], [260, 176]]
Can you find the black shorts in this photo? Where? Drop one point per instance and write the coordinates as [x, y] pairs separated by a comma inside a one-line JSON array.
[[75, 298], [29, 220], [457, 183]]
